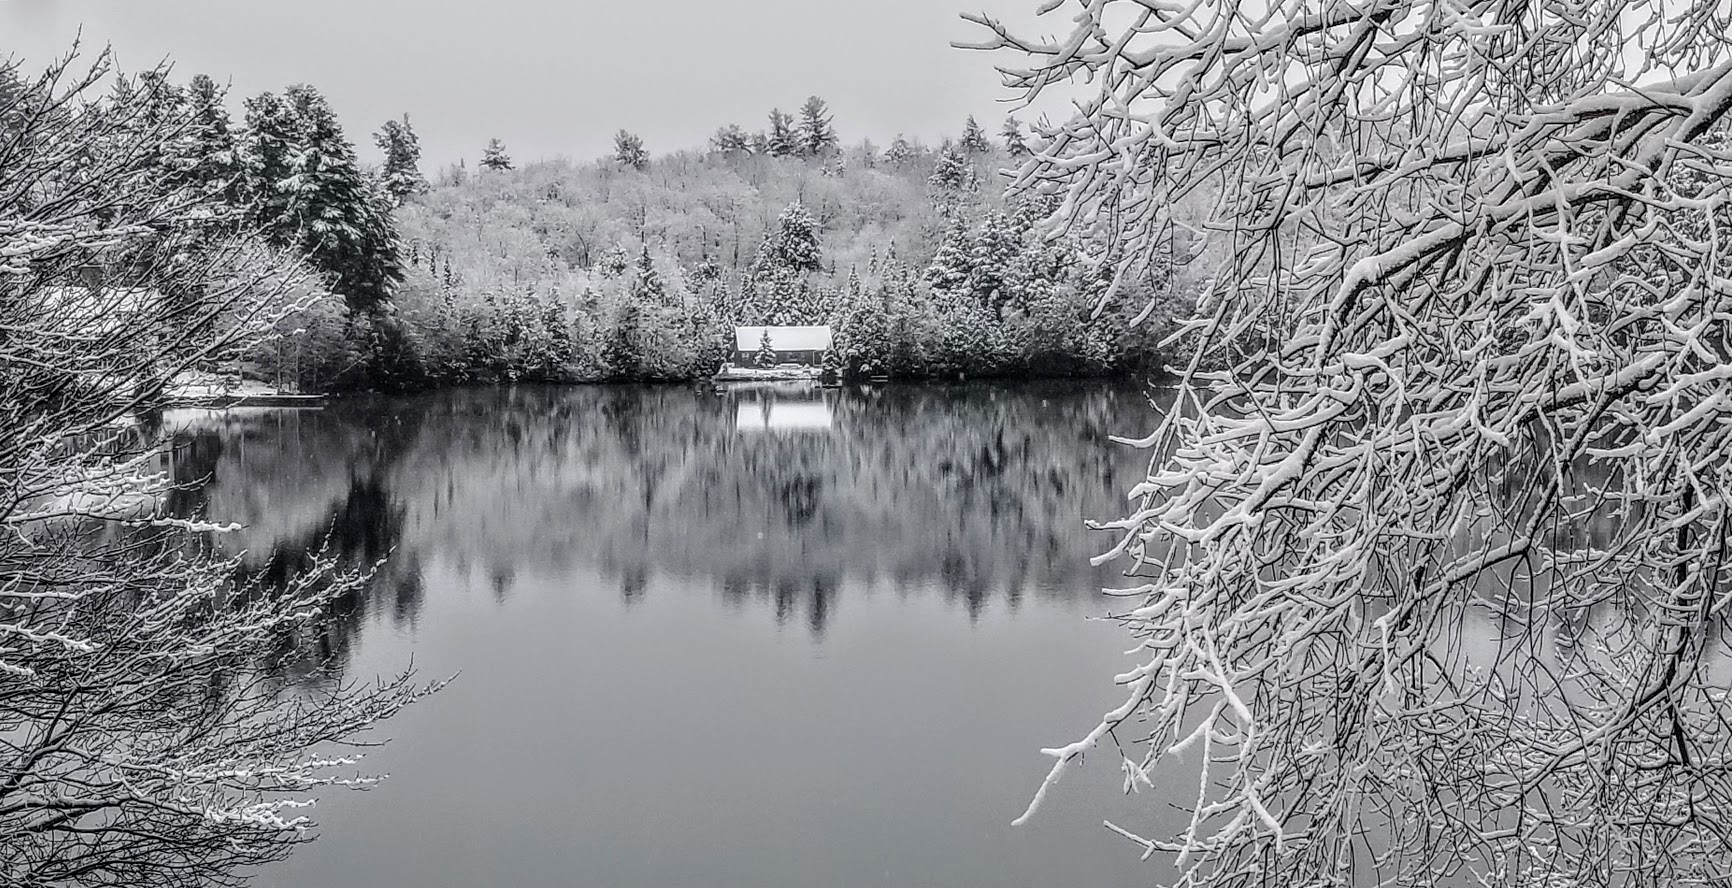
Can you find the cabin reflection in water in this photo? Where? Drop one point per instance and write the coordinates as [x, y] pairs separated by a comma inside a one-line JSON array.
[[782, 410]]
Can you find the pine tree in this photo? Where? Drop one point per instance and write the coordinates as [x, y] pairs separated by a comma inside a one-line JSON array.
[[268, 145], [1013, 140], [211, 160], [783, 140], [646, 286], [900, 153], [628, 151], [950, 172], [974, 138], [148, 108], [793, 245], [340, 219], [624, 349], [817, 136], [951, 268], [950, 178], [560, 348], [730, 140], [766, 356], [614, 262], [401, 173], [995, 249], [493, 157]]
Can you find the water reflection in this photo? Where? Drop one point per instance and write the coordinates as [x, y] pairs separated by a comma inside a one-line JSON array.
[[782, 409], [770, 496]]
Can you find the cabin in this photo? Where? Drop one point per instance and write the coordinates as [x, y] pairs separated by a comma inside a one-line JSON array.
[[792, 345]]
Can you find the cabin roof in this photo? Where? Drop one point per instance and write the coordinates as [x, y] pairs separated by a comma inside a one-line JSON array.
[[784, 339]]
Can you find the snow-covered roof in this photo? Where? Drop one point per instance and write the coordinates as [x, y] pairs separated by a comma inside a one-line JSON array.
[[784, 338], [79, 308], [105, 299]]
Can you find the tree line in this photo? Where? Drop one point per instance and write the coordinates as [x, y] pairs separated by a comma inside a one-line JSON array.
[[628, 268], [637, 268]]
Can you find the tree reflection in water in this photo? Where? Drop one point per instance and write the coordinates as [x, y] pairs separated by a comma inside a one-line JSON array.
[[775, 496]]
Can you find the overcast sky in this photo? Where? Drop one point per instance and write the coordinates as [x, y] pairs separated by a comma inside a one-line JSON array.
[[558, 77]]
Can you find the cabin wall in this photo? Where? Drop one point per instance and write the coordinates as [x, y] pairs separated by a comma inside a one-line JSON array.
[[750, 358]]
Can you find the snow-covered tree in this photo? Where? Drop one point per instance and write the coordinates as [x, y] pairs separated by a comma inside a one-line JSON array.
[[951, 176], [494, 157], [766, 356], [624, 349], [647, 288], [784, 138], [794, 244], [125, 761], [974, 141], [339, 220], [1014, 143], [629, 152], [210, 157], [991, 256], [731, 140], [1432, 557], [401, 173], [817, 136], [951, 268], [900, 153], [269, 142]]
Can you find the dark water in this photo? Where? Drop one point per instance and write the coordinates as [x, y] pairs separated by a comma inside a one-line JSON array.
[[766, 638]]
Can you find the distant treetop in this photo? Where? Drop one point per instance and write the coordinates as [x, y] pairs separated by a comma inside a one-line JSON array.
[[628, 151], [494, 157]]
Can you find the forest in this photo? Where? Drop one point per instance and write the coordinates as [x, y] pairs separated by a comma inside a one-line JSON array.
[[635, 267]]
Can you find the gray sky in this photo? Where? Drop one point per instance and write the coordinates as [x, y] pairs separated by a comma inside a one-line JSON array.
[[553, 77]]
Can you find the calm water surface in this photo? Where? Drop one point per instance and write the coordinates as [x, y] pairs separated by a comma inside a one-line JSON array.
[[768, 637]]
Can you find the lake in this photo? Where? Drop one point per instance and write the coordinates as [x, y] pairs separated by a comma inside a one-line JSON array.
[[763, 637]]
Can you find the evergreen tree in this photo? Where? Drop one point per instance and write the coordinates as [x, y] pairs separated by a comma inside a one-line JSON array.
[[401, 174], [950, 171], [493, 157], [951, 268], [340, 221], [783, 140], [817, 136], [647, 287], [994, 251], [900, 153], [614, 262], [730, 141], [974, 138], [268, 146], [150, 113], [1013, 139], [211, 161], [950, 178], [623, 352], [628, 151], [766, 356], [793, 245], [760, 143]]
